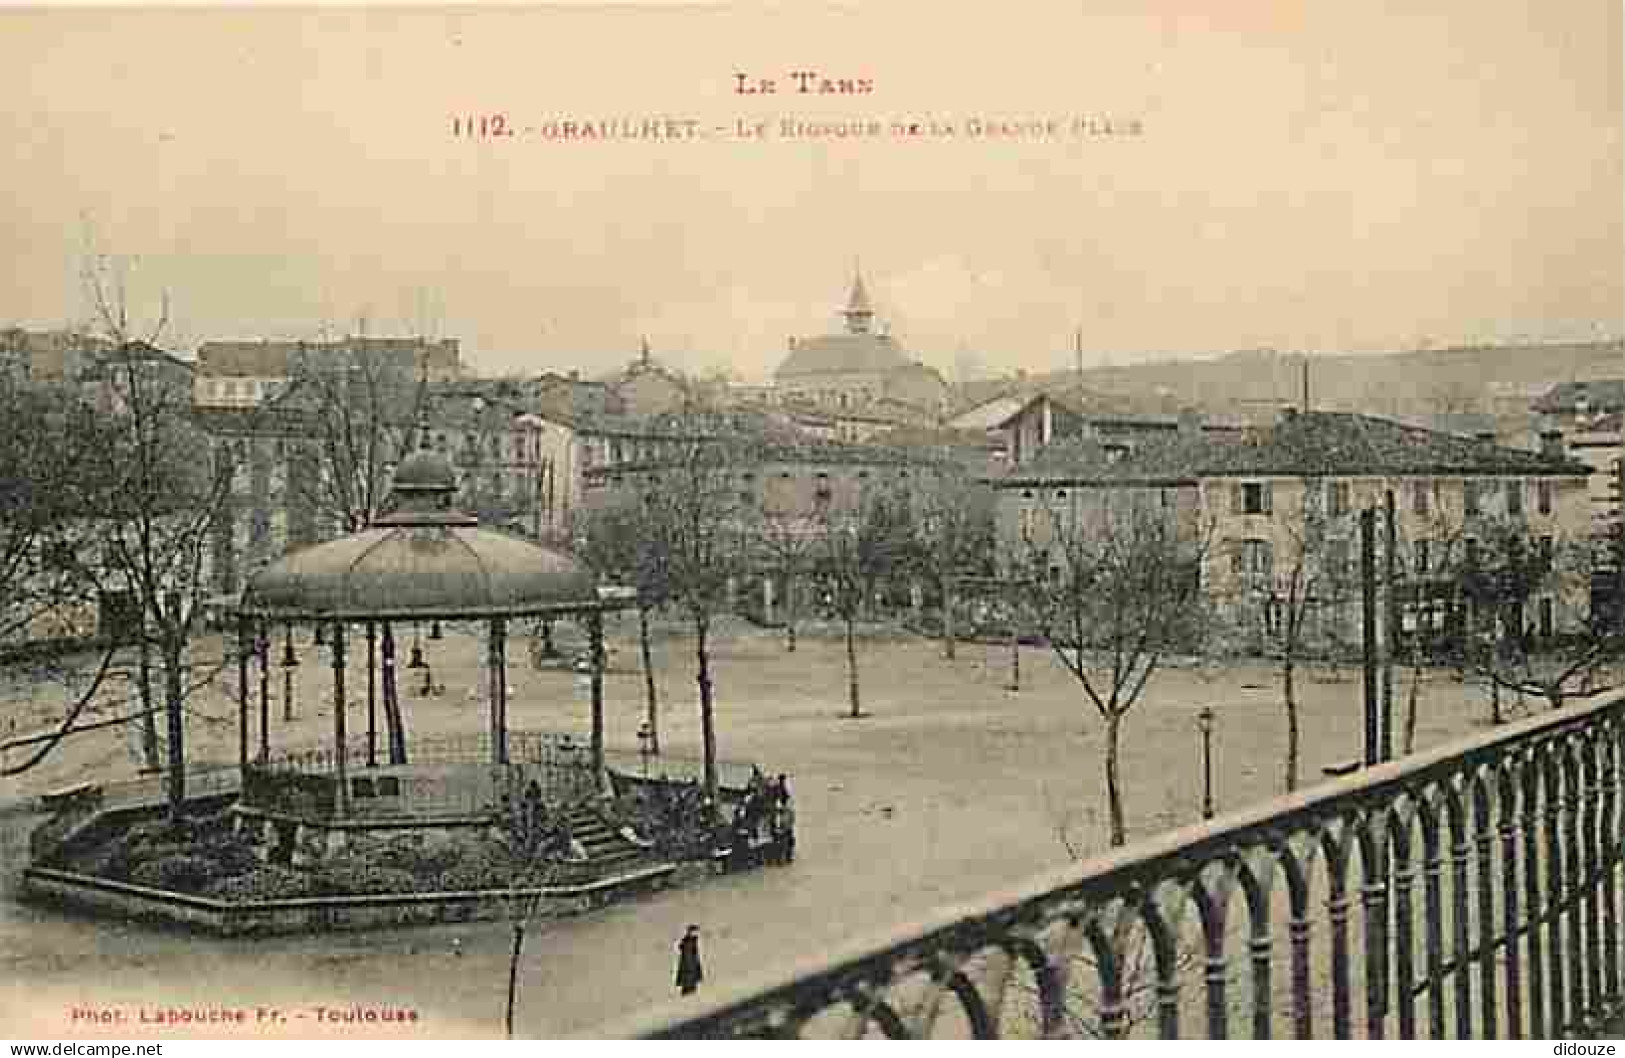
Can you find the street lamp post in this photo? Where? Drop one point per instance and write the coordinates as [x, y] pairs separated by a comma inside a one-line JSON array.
[[290, 661], [645, 739], [1204, 724]]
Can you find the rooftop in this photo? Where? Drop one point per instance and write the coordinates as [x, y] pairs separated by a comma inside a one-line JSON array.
[[1306, 444]]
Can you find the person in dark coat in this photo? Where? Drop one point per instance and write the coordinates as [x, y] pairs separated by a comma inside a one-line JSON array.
[[689, 971]]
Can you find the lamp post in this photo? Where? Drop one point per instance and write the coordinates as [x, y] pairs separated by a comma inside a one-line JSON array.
[[262, 654], [290, 661], [1204, 724], [645, 738]]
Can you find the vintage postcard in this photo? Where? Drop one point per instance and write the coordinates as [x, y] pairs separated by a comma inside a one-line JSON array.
[[724, 519]]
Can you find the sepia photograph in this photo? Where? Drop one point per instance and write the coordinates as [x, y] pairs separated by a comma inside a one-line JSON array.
[[730, 520]]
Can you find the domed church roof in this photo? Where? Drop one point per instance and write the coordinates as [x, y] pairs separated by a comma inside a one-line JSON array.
[[858, 351]]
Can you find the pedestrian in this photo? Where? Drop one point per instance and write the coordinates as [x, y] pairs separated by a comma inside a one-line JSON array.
[[787, 827], [689, 971]]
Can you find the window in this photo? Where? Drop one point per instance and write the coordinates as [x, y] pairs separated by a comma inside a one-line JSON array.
[[1470, 552], [821, 490], [1251, 497], [1548, 625], [1545, 553], [1543, 497], [1424, 557], [1471, 502], [1255, 563], [1420, 498], [1514, 491], [1339, 561], [1340, 499], [1314, 496]]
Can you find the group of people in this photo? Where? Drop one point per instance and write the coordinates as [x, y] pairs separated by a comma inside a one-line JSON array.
[[767, 803], [544, 830]]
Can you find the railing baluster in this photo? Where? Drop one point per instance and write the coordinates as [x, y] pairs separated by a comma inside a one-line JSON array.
[[1484, 838], [1611, 844], [1532, 900], [1577, 900], [1298, 934], [1260, 947], [996, 966], [1555, 891], [1404, 874], [1215, 970], [1168, 1006], [1337, 911], [1373, 899], [1461, 907], [1433, 911], [1506, 798]]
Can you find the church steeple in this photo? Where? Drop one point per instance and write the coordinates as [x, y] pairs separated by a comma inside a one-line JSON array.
[[858, 312]]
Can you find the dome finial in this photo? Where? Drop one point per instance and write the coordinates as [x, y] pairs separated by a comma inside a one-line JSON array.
[[859, 312]]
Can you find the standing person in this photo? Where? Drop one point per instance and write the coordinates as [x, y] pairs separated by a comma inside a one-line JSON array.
[[689, 971]]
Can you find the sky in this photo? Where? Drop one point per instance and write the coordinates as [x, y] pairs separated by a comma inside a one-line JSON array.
[[1310, 175]]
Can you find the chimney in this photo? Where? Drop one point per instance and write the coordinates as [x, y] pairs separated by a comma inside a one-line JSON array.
[[1551, 444]]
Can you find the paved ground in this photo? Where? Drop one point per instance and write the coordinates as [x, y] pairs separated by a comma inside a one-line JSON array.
[[950, 787]]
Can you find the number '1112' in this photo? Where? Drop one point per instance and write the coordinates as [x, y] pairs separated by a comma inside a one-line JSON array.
[[489, 125]]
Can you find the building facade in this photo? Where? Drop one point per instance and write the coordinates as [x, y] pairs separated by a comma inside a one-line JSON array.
[[1274, 513]]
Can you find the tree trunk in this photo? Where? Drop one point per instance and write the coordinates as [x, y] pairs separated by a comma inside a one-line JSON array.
[[708, 731], [174, 700], [1289, 700], [852, 672], [947, 619], [1015, 657], [1410, 703], [1114, 786], [513, 974], [149, 718], [789, 615], [595, 626], [650, 691]]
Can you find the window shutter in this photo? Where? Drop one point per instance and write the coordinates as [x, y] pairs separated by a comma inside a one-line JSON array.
[[1238, 500], [1268, 490]]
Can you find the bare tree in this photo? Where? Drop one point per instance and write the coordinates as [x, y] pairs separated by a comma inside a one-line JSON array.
[[1297, 597], [693, 504], [618, 541], [49, 499], [785, 539], [357, 409], [534, 849], [1117, 587], [162, 501], [1515, 585], [856, 548], [956, 523]]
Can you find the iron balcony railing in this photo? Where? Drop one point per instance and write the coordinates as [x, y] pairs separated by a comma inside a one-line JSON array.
[[1471, 891]]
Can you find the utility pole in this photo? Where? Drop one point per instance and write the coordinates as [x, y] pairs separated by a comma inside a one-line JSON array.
[[1368, 627]]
